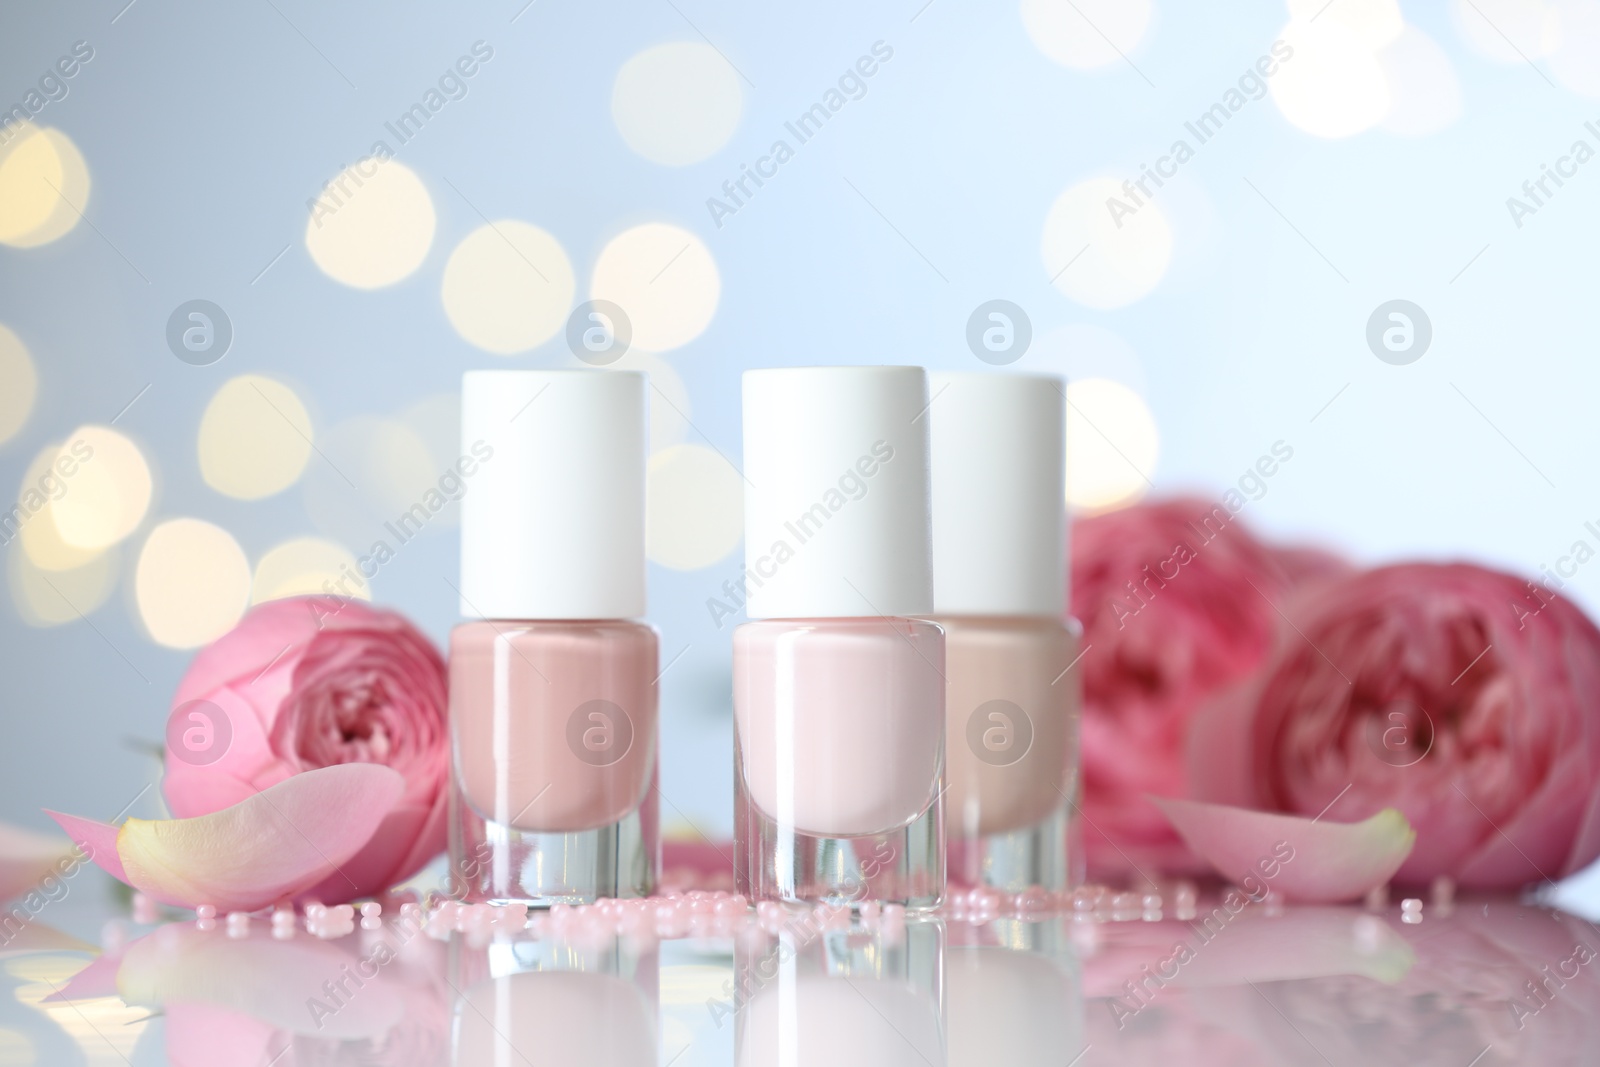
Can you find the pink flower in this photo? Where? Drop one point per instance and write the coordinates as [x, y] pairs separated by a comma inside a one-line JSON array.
[[1464, 697], [1176, 600], [313, 682]]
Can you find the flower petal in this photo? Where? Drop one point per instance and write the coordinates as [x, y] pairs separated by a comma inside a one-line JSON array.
[[272, 846], [1303, 859], [96, 840]]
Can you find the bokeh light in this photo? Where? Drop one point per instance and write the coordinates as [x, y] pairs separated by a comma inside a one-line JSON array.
[[508, 287], [1377, 23], [1099, 260], [19, 384], [694, 507], [41, 486], [1086, 34], [255, 438], [1509, 31], [372, 225], [676, 103], [105, 488], [1112, 444], [53, 597], [191, 584], [307, 566], [1576, 59], [666, 281], [1425, 93], [44, 186], [1333, 86]]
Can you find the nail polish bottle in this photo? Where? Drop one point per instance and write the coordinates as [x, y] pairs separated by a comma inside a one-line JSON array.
[[839, 677], [999, 561], [553, 687]]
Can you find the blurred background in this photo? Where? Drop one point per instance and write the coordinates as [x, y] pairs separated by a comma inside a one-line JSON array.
[[247, 250]]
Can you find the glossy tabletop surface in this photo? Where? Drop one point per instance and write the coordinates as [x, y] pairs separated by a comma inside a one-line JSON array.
[[1483, 982]]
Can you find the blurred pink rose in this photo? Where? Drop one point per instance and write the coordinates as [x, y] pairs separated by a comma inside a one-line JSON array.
[[1451, 692], [311, 682], [1176, 600]]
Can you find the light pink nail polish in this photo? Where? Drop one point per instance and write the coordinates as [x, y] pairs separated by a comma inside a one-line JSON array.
[[999, 553], [838, 685], [553, 704]]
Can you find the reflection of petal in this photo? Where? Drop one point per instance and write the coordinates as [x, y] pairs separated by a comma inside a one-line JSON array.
[[98, 979], [267, 848], [204, 1035], [1300, 859], [1233, 948], [277, 982], [37, 937], [26, 858]]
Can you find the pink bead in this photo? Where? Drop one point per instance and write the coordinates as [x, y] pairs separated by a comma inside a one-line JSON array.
[[206, 911], [371, 909]]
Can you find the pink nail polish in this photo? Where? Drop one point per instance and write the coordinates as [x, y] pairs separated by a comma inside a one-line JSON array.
[[838, 684], [553, 691], [998, 457]]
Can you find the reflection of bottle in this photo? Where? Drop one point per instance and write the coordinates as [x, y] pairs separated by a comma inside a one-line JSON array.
[[546, 1002], [839, 998], [838, 694], [1008, 1004], [998, 459], [552, 694]]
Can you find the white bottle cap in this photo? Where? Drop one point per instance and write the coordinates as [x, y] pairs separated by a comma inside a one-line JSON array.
[[836, 500], [552, 523], [999, 494]]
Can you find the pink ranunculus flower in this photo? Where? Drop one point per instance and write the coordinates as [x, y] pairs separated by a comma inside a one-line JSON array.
[[312, 682], [1177, 601], [1464, 697]]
